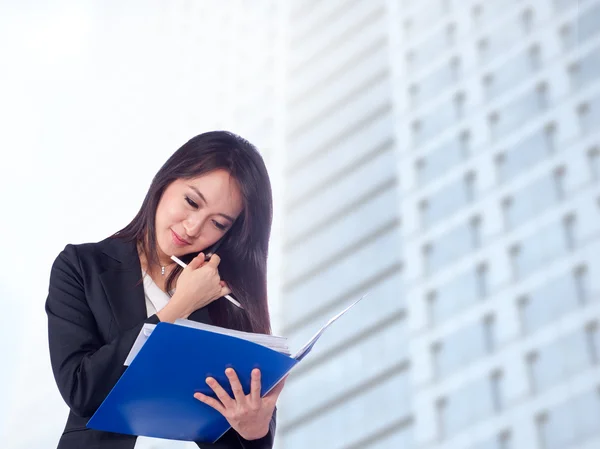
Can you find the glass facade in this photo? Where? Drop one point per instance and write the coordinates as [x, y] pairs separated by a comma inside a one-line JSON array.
[[443, 155]]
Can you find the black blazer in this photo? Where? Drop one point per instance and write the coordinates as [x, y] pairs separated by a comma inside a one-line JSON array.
[[96, 308]]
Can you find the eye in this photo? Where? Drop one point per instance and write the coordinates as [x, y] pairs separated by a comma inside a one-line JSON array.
[[190, 202], [219, 226]]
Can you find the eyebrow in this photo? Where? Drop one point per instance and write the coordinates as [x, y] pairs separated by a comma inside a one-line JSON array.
[[205, 202]]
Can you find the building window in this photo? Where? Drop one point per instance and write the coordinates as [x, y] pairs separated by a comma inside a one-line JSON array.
[[455, 69], [542, 424], [436, 351], [482, 49], [570, 223], [505, 440], [593, 342], [437, 162], [410, 59], [500, 162], [408, 25], [423, 211], [567, 37], [493, 125], [559, 179], [446, 202], [441, 412], [546, 245], [420, 167], [482, 281], [413, 93], [581, 284], [542, 94], [586, 70], [449, 247], [573, 422], [594, 163], [476, 231], [488, 85], [464, 142], [560, 360], [489, 328], [525, 154], [531, 359], [427, 250], [506, 212], [556, 298], [514, 253], [476, 13], [459, 105], [432, 306], [416, 132], [550, 136], [459, 294], [531, 201], [583, 112], [497, 382], [470, 186], [574, 70], [451, 34], [467, 406], [527, 20], [535, 57]]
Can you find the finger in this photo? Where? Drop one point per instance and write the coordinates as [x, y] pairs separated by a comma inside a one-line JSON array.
[[214, 261], [236, 386], [220, 392], [276, 391], [255, 386], [210, 401], [225, 291], [196, 261]]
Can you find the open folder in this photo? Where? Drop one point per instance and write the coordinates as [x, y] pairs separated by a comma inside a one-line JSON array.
[[168, 363]]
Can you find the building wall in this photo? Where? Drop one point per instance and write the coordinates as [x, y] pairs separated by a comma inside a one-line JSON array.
[[341, 234], [443, 155]]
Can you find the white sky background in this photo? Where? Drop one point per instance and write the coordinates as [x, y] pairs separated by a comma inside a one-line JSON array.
[[95, 97]]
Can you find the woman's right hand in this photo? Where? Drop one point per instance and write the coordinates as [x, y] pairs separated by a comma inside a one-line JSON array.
[[198, 284]]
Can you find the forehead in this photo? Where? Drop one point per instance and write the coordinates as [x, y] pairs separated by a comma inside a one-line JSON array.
[[216, 186], [213, 179]]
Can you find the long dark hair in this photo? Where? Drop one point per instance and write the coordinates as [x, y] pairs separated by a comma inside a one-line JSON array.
[[244, 248]]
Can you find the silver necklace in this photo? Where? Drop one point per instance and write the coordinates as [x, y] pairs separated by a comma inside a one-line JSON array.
[[162, 270]]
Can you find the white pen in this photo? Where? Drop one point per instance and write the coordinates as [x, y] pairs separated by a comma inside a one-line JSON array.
[[229, 297]]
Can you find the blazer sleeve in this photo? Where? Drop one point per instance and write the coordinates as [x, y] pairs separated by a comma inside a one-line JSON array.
[[84, 367], [232, 440]]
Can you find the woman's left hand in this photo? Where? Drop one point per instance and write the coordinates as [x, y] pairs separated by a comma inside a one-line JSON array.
[[250, 414]]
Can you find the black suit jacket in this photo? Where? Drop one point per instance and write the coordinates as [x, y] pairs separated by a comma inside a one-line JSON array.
[[96, 308]]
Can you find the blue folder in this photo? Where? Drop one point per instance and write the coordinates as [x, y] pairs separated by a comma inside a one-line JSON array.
[[155, 395]]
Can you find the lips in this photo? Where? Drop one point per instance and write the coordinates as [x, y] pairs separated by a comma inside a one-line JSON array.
[[179, 239]]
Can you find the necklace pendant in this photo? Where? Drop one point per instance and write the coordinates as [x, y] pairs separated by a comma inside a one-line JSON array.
[[162, 270]]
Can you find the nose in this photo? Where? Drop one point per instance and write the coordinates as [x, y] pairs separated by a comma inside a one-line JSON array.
[[193, 225]]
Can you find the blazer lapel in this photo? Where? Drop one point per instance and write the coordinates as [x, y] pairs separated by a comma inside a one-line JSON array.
[[123, 284], [124, 288]]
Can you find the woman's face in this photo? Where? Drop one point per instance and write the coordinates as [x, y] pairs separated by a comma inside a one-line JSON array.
[[199, 211]]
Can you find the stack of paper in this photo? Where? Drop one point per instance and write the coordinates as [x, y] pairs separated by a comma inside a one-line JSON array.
[[273, 342]]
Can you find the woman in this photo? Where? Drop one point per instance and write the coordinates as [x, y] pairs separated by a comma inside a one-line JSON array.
[[214, 190]]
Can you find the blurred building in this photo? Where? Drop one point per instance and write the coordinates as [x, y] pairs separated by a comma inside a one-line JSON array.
[[443, 155], [341, 232]]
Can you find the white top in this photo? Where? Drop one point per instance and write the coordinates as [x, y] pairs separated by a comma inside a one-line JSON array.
[[156, 299]]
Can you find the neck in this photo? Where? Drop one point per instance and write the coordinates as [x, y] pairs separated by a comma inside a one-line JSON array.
[[166, 263]]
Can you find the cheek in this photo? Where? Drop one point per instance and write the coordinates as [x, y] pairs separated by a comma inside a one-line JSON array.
[[167, 216]]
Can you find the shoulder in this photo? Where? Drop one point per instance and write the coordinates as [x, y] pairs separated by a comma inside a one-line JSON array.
[[94, 256]]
